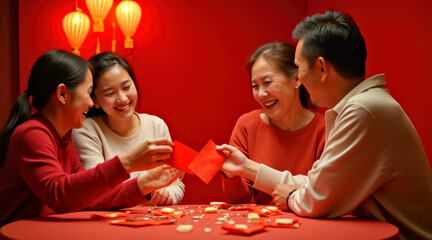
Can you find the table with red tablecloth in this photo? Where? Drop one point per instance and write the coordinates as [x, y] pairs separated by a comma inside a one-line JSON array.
[[92, 225]]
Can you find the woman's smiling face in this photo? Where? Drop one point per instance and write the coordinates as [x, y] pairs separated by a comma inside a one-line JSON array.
[[80, 102], [275, 92], [116, 93]]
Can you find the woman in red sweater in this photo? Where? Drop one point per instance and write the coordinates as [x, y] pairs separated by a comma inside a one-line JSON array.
[[41, 173], [285, 134]]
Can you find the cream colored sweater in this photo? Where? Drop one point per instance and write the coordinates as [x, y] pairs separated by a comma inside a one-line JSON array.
[[373, 165], [96, 143]]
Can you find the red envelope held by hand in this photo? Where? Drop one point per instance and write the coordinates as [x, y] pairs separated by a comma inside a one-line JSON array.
[[181, 157], [208, 162]]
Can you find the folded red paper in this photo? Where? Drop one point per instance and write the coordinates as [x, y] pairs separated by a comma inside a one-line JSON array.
[[109, 215], [208, 162], [294, 224], [181, 157], [250, 229], [260, 211], [175, 214], [220, 205]]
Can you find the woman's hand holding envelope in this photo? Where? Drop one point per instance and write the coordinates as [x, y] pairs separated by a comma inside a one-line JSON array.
[[237, 164]]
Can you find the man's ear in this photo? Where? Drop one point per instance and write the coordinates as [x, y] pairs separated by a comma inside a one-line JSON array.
[[62, 93], [323, 67]]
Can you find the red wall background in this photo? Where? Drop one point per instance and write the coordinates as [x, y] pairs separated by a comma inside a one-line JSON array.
[[189, 58]]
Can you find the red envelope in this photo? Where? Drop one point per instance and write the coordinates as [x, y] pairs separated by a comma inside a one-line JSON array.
[[158, 212], [250, 229], [181, 157], [220, 205], [295, 224], [109, 215], [208, 162], [258, 210]]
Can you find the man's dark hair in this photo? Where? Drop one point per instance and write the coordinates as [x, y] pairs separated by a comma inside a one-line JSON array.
[[335, 37]]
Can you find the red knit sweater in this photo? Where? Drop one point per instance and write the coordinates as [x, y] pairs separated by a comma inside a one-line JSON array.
[[42, 175], [293, 151]]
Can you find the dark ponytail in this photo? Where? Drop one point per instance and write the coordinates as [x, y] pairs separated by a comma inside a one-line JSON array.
[[51, 69], [20, 113]]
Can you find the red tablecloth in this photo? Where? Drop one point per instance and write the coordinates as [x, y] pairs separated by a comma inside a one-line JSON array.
[[80, 226]]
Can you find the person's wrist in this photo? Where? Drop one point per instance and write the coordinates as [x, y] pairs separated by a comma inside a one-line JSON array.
[[250, 169], [227, 175], [125, 160], [143, 185], [287, 199]]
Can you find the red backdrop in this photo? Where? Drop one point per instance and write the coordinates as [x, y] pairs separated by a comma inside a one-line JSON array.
[[189, 58]]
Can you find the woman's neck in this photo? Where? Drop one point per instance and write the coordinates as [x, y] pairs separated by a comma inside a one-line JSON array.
[[293, 121], [60, 124], [123, 127]]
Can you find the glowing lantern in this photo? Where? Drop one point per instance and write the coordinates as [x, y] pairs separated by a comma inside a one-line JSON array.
[[76, 26], [128, 15], [98, 11]]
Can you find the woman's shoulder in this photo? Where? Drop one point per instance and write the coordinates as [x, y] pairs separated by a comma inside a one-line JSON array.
[[319, 118], [33, 124], [93, 128], [252, 115], [148, 119], [35, 131], [317, 123], [250, 121], [93, 124]]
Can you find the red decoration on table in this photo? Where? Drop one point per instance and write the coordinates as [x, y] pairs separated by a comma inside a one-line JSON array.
[[295, 224], [259, 211], [243, 207], [175, 214], [251, 229], [208, 162], [109, 215], [181, 157], [220, 205]]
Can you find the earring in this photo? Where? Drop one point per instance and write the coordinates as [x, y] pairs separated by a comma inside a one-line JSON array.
[[297, 85]]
